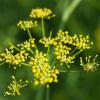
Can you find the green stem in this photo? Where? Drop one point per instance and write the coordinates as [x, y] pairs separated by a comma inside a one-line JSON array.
[[48, 49], [2, 63], [31, 51], [26, 64], [73, 51], [70, 71], [29, 33], [47, 94], [40, 93], [14, 46], [77, 53], [43, 28]]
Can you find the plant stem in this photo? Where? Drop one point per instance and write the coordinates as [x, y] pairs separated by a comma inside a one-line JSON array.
[[70, 71], [31, 51], [43, 28], [40, 93], [77, 53], [14, 46], [29, 33], [26, 64], [2, 63], [48, 49], [47, 94]]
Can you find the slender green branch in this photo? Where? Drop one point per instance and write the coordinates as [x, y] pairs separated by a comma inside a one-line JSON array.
[[31, 51], [50, 34], [62, 71], [25, 64], [77, 53], [43, 27], [73, 51], [40, 93], [2, 63], [48, 49], [47, 94], [14, 46], [29, 33]]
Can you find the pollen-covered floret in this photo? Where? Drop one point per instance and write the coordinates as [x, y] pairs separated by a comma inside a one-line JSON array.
[[15, 87], [25, 25], [14, 59], [89, 64], [41, 13], [27, 45], [42, 71], [48, 41]]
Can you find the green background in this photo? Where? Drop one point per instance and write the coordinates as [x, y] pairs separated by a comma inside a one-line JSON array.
[[76, 16]]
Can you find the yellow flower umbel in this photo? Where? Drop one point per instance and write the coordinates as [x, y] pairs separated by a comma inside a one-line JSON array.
[[62, 53], [42, 71], [12, 58], [77, 40], [48, 41], [27, 45], [41, 13], [26, 25], [63, 37], [90, 64], [82, 42], [15, 87]]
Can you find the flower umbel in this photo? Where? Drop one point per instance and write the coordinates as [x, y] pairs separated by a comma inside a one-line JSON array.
[[27, 45], [26, 25], [42, 71], [90, 64], [12, 58], [15, 87], [41, 13], [62, 53], [48, 41]]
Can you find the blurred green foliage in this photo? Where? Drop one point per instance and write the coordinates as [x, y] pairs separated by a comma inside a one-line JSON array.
[[76, 16]]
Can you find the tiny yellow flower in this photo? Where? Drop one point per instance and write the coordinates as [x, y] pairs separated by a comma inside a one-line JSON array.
[[36, 82]]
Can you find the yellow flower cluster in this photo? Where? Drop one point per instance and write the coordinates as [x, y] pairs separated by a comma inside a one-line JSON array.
[[82, 42], [25, 25], [90, 64], [62, 45], [62, 53], [64, 37], [15, 87], [42, 71], [48, 41], [41, 13], [27, 45], [77, 40], [13, 59]]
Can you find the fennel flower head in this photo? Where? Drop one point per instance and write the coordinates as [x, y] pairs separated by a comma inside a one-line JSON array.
[[41, 13]]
